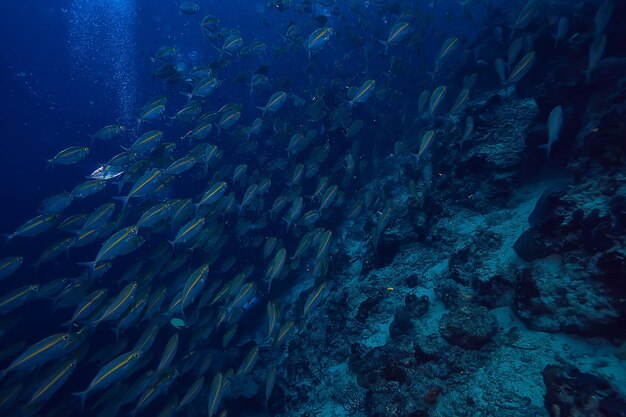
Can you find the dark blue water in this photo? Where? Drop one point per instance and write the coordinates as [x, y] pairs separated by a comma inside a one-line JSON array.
[[474, 263]]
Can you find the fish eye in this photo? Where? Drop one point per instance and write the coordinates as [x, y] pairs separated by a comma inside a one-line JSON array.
[[65, 337]]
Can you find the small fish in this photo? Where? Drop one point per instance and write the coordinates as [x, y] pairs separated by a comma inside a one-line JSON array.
[[188, 231], [436, 98], [53, 383], [270, 379], [42, 352], [9, 265], [397, 34], [324, 245], [595, 54], [555, 121], [561, 31], [119, 304], [283, 332], [193, 285], [362, 93], [168, 354], [274, 103], [318, 39], [69, 156], [112, 372], [189, 8], [313, 299], [272, 316], [36, 226], [191, 393], [522, 67], [328, 197], [213, 194], [423, 99], [215, 394], [99, 216], [460, 101], [276, 267], [249, 361], [87, 306], [448, 46]]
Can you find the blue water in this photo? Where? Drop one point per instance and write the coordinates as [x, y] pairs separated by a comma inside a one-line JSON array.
[[70, 68]]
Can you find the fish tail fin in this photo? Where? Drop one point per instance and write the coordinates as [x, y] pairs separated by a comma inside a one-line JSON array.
[[7, 237], [83, 398], [119, 184], [90, 265], [48, 164], [548, 148], [123, 199]]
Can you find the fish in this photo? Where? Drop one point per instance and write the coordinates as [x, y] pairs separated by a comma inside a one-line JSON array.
[[215, 394], [53, 382], [147, 142], [435, 99], [168, 354], [9, 265], [87, 306], [144, 185], [51, 348], [562, 28], [194, 285], [154, 215], [213, 194], [294, 212], [99, 216], [189, 8], [523, 66], [69, 156], [113, 371], [109, 132], [318, 39], [116, 245], [249, 361], [362, 93], [272, 316], [422, 100], [595, 54], [328, 197], [602, 16], [397, 34], [36, 226], [448, 46], [18, 297], [313, 299], [270, 379], [283, 332], [276, 267], [460, 101], [274, 103], [191, 393], [119, 304], [555, 121], [188, 231], [425, 142]]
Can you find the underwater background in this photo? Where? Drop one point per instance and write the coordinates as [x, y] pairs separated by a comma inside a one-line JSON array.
[[313, 208]]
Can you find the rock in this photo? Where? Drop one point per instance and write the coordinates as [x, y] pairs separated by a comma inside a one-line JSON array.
[[416, 306], [569, 301], [570, 392], [530, 246], [469, 326]]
